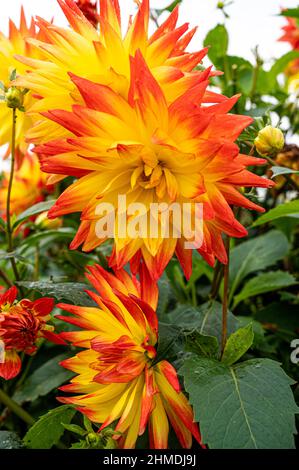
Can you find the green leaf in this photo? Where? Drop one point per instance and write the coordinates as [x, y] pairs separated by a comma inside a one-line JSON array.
[[34, 210], [246, 406], [281, 316], [43, 380], [289, 209], [15, 255], [164, 295], [217, 38], [13, 75], [200, 268], [237, 345], [291, 12], [202, 345], [170, 341], [75, 429], [280, 64], [206, 320], [46, 237], [47, 431], [72, 292], [10, 440], [280, 170], [265, 282], [258, 330], [169, 8], [255, 255]]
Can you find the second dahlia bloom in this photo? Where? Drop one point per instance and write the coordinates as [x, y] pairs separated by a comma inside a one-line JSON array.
[[22, 324], [152, 152], [89, 10], [291, 35], [15, 43], [29, 186], [118, 380]]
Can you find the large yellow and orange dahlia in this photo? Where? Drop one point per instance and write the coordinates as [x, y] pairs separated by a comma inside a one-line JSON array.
[[16, 43], [104, 57], [117, 377], [152, 151]]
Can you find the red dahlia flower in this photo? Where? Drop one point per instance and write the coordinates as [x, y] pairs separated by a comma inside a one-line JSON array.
[[22, 324]]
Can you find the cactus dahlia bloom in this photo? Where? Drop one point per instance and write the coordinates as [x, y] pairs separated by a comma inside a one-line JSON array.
[[29, 186], [22, 324], [291, 35], [15, 43], [117, 377], [152, 151], [104, 57]]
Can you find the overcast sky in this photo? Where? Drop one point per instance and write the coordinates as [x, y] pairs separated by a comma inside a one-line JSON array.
[[252, 21]]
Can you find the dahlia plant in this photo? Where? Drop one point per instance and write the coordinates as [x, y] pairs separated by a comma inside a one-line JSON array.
[[148, 234]]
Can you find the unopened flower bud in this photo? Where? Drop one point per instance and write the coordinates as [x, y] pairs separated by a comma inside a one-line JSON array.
[[269, 141], [14, 98], [43, 222], [92, 438]]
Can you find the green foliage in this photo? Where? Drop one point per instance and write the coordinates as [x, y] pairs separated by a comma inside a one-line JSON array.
[[72, 292], [206, 320], [280, 170], [43, 380], [246, 406], [265, 282], [217, 39], [237, 344], [10, 440], [48, 430], [255, 255], [34, 210], [289, 209]]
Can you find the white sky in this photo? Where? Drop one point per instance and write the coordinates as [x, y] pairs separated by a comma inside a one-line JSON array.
[[253, 22]]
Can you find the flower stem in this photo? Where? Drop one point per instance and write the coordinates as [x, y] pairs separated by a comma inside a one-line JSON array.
[[225, 296], [5, 278], [9, 230], [216, 280], [16, 408]]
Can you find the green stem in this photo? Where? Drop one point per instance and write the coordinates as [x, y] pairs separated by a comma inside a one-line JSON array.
[[225, 297], [25, 373], [9, 229], [216, 280], [5, 278], [16, 408]]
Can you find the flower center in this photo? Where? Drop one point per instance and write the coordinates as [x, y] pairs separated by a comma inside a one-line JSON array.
[[155, 176]]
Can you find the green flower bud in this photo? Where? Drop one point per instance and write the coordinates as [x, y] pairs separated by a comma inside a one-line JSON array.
[[14, 98]]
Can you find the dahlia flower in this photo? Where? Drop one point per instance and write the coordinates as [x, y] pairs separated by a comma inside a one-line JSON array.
[[15, 43], [152, 151], [118, 378], [291, 35], [22, 324], [29, 186], [103, 57], [89, 10]]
